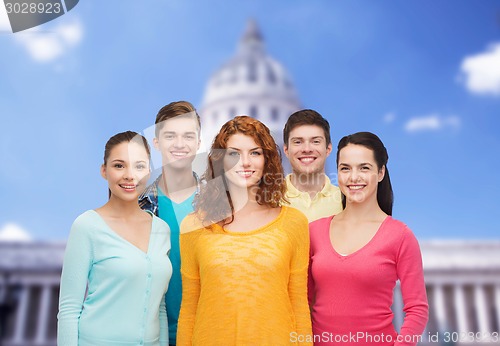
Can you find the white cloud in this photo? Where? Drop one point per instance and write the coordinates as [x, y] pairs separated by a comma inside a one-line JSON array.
[[482, 71], [4, 20], [12, 232], [47, 46], [432, 122], [389, 117]]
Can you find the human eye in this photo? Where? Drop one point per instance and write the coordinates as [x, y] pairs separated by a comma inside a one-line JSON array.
[[256, 153], [233, 153], [296, 141], [365, 168], [168, 136], [118, 165], [317, 141], [141, 166], [344, 169]]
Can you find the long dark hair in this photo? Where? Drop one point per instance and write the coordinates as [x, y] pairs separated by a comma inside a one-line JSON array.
[[385, 196]]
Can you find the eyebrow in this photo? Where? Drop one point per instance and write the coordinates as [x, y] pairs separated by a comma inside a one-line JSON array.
[[174, 132], [240, 149], [361, 164], [315, 137]]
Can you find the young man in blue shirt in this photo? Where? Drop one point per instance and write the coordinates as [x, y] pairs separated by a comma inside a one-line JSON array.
[[177, 137]]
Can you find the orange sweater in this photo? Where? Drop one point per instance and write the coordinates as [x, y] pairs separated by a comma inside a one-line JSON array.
[[245, 288]]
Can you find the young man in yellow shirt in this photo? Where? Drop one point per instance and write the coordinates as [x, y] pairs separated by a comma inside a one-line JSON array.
[[307, 144]]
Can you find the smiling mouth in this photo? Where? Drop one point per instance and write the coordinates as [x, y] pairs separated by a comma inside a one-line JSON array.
[[245, 174], [179, 155], [355, 187], [128, 187], [307, 159]]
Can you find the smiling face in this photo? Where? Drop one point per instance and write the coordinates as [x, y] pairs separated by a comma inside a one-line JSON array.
[[178, 141], [243, 161], [307, 149], [126, 170], [358, 174]]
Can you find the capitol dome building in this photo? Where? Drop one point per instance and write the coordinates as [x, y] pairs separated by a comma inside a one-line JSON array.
[[250, 83]]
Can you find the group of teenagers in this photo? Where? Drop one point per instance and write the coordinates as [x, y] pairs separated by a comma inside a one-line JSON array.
[[241, 255]]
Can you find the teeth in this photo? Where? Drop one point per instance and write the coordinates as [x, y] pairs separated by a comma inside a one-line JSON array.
[[307, 159], [356, 187], [128, 186], [179, 154], [245, 174]]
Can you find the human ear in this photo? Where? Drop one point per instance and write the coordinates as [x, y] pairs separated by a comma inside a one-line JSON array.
[[328, 149], [285, 149], [103, 171], [156, 144], [381, 173]]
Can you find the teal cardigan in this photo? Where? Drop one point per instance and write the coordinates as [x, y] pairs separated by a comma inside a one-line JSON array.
[[124, 302]]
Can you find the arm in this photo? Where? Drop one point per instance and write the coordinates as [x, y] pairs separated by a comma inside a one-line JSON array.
[[297, 286], [190, 289], [76, 267], [411, 275]]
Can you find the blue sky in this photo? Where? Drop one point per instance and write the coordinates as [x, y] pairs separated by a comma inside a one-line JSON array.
[[423, 75]]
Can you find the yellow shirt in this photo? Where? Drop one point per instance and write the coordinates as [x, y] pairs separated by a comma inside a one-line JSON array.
[[245, 288], [327, 202]]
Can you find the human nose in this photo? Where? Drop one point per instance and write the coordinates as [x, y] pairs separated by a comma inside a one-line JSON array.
[[245, 160], [128, 173], [306, 146], [354, 175], [178, 142]]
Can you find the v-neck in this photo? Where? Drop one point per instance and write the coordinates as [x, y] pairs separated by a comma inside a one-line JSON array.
[[116, 234], [361, 249]]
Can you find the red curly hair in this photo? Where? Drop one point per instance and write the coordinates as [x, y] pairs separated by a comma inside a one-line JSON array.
[[209, 204]]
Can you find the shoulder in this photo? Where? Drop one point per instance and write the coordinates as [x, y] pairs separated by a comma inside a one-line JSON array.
[[86, 219], [320, 223], [158, 222], [397, 227], [293, 215], [191, 223], [399, 233]]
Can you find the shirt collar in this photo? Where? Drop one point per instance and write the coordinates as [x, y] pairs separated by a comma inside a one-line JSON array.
[[327, 190]]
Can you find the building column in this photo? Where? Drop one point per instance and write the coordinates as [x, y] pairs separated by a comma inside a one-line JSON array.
[[439, 305], [22, 315], [461, 309], [481, 310], [497, 305], [43, 314], [397, 307]]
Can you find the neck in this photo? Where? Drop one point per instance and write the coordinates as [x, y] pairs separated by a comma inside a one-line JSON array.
[[366, 211], [120, 208], [243, 198], [177, 180], [311, 183]]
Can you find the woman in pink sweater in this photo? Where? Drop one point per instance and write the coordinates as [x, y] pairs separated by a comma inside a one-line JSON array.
[[358, 255]]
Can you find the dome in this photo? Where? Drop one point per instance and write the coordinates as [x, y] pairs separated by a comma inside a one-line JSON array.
[[251, 83]]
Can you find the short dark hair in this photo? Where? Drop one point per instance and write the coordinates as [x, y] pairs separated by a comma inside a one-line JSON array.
[[306, 117], [385, 196], [172, 110]]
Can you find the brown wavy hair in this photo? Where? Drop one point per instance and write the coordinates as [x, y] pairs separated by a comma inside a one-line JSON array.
[[210, 203]]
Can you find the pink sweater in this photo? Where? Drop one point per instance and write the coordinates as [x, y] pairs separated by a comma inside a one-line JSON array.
[[351, 296]]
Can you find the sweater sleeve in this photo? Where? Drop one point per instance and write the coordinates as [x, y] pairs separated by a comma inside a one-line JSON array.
[[190, 289], [77, 263], [163, 324], [411, 275], [297, 286]]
